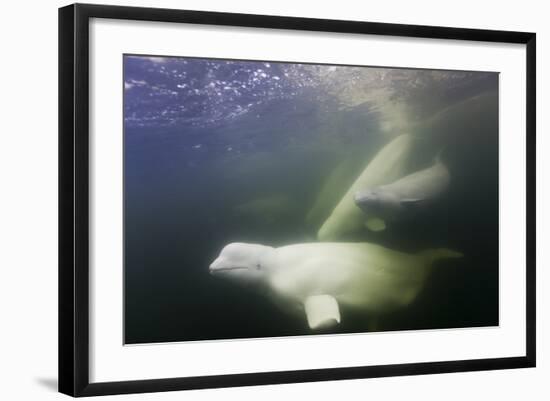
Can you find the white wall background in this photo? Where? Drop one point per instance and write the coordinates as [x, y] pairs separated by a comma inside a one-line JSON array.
[[28, 212]]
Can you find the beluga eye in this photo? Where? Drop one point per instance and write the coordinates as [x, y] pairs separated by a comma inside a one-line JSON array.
[[258, 266]]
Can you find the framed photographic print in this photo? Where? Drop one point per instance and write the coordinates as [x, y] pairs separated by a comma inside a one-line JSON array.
[[250, 199]]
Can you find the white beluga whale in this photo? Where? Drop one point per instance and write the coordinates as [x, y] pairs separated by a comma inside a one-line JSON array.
[[388, 165], [318, 279], [407, 194]]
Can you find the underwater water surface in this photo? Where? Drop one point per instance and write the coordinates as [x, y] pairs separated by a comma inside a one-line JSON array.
[[222, 151]]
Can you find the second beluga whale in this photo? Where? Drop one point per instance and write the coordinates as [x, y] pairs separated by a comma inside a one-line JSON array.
[[388, 165], [318, 279], [405, 195]]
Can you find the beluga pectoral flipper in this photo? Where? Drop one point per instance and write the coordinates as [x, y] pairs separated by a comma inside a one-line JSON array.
[[322, 311]]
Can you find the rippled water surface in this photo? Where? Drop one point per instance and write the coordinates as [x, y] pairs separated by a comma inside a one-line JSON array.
[[220, 151]]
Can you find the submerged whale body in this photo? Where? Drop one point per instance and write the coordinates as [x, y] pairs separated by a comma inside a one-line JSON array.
[[317, 279], [337, 181], [407, 194], [388, 165]]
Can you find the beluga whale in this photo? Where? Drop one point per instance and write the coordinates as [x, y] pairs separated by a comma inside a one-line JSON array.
[[319, 279], [405, 195], [386, 166]]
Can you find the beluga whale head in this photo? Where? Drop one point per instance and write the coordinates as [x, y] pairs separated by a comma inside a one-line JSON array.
[[375, 200], [247, 263]]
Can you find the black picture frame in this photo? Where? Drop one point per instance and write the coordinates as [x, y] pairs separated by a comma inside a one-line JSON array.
[[74, 198]]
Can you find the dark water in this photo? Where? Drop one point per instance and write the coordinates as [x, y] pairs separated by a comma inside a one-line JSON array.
[[219, 152]]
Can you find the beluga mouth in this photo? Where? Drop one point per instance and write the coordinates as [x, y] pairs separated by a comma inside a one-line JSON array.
[[224, 269], [359, 197]]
